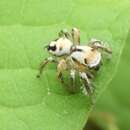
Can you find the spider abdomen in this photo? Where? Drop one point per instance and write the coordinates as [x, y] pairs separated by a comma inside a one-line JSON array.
[[86, 56]]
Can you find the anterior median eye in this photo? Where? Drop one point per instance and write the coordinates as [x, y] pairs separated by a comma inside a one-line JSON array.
[[53, 48]]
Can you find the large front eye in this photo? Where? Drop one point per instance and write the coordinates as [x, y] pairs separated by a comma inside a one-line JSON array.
[[52, 48]]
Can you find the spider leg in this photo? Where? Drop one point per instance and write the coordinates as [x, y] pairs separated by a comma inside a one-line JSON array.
[[75, 36], [97, 44], [64, 33], [86, 82], [43, 64], [60, 76], [60, 68], [72, 78], [90, 75]]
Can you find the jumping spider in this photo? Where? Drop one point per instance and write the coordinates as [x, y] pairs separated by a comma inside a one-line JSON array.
[[69, 55]]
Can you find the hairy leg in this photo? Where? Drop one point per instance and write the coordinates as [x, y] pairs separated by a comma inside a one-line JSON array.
[[62, 66], [72, 78], [86, 82], [75, 36], [97, 44], [44, 63], [65, 33], [90, 75]]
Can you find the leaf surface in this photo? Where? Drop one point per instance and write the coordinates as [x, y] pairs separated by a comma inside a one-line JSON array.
[[25, 27], [115, 99]]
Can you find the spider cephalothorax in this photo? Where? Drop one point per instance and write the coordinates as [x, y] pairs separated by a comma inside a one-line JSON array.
[[84, 59], [60, 47]]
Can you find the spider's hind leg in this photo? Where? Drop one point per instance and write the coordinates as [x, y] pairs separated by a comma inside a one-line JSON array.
[[87, 83], [97, 44], [89, 88]]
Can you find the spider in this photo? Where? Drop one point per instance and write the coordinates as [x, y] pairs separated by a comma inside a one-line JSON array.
[[70, 56]]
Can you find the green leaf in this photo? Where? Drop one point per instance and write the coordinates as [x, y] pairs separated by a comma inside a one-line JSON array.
[[27, 103], [115, 99]]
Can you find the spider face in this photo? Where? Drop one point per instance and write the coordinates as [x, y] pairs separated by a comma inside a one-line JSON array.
[[60, 47], [52, 47]]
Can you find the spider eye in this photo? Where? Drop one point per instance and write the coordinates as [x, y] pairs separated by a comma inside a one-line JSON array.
[[52, 48]]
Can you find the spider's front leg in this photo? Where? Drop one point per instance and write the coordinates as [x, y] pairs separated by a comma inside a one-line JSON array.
[[65, 33], [75, 36], [87, 83], [62, 66], [97, 44], [44, 63]]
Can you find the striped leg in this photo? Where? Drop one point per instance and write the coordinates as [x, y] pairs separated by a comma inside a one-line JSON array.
[[86, 82], [43, 64], [75, 36], [97, 44], [64, 33], [72, 78]]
